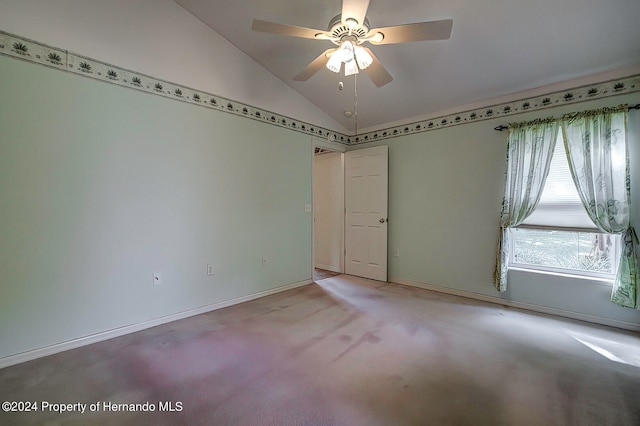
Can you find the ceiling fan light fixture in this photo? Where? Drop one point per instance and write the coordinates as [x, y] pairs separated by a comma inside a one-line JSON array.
[[335, 62], [362, 57], [350, 68], [346, 49], [345, 53]]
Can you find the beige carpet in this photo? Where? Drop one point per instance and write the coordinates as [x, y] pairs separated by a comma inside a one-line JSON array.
[[345, 351]]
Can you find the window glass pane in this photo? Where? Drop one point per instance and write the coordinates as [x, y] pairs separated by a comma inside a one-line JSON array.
[[577, 251]]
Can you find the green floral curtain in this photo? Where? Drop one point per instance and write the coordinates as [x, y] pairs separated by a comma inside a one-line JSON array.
[[596, 146], [529, 155]]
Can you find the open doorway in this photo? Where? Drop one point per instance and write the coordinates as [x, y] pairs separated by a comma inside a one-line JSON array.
[[328, 210]]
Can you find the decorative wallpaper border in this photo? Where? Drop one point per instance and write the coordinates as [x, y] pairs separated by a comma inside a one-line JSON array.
[[32, 51], [571, 96]]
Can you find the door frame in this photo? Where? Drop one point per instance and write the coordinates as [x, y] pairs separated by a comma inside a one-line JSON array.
[[336, 147]]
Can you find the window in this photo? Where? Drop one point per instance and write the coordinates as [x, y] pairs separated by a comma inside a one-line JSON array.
[[585, 253], [559, 236]]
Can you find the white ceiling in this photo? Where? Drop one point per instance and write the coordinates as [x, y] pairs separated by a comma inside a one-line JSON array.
[[497, 47]]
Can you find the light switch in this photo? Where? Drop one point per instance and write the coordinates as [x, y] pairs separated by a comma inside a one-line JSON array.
[[307, 208]]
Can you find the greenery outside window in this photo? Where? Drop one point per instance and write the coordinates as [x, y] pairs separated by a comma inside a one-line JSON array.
[[565, 251]]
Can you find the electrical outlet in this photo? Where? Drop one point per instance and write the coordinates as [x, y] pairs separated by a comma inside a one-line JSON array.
[[396, 253], [264, 261], [307, 208], [157, 279], [209, 269]]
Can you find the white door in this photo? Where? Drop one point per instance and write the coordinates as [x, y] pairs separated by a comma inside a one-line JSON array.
[[366, 191]]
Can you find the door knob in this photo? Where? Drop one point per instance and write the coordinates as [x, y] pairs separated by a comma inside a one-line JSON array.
[[383, 220]]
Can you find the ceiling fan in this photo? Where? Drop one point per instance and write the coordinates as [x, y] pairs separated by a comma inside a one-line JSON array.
[[349, 31]]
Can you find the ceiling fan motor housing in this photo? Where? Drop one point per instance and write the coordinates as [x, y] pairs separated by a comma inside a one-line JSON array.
[[338, 30]]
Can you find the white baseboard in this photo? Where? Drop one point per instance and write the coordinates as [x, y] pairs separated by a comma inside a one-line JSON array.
[[121, 331], [521, 305], [328, 267]]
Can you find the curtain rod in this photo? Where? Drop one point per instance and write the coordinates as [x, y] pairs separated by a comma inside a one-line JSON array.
[[503, 127]]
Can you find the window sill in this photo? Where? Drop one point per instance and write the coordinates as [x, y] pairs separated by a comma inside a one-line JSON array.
[[603, 281]]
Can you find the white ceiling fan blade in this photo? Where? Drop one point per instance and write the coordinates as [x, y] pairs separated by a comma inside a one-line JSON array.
[[421, 31], [290, 30], [355, 9], [314, 66], [376, 71]]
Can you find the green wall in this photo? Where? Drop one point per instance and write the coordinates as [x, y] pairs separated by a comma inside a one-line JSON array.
[[444, 197], [102, 186]]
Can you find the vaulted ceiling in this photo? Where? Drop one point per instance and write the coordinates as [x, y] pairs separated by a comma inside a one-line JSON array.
[[497, 47]]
